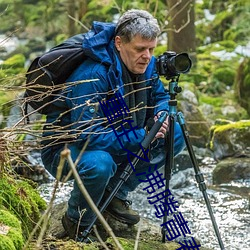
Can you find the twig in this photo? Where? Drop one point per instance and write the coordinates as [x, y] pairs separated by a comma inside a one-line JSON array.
[[66, 154], [99, 238], [137, 236], [77, 21]]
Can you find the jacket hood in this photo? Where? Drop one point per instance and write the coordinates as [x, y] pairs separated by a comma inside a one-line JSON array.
[[98, 43]]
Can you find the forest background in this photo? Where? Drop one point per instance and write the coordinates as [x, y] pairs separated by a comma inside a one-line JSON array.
[[214, 33]]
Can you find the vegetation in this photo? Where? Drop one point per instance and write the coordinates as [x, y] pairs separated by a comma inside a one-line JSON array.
[[11, 236], [220, 29]]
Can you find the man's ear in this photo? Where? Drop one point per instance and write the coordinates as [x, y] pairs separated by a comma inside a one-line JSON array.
[[118, 42]]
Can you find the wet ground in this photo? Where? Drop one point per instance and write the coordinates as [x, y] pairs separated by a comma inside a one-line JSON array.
[[230, 204]]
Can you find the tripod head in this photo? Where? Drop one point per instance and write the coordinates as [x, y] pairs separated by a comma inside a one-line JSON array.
[[174, 89]]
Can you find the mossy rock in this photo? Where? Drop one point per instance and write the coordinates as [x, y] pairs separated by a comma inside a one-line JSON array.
[[11, 237], [150, 235], [128, 244], [21, 199], [231, 139]]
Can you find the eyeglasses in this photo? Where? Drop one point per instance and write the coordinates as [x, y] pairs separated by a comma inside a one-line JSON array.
[[124, 24]]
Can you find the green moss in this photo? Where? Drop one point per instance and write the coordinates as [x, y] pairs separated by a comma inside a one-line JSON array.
[[13, 71], [221, 122], [91, 247], [22, 200], [9, 219], [16, 237], [16, 61], [6, 243], [6, 96], [127, 244], [220, 24], [228, 45], [160, 49], [239, 128], [212, 100], [225, 75], [219, 102], [61, 38], [13, 239], [235, 125]]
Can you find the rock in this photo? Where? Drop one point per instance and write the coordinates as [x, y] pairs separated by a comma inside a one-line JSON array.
[[183, 160], [32, 168], [228, 110], [181, 179], [232, 139], [149, 238], [190, 96], [197, 125], [230, 143], [231, 169]]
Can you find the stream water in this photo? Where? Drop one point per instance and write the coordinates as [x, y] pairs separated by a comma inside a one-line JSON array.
[[230, 204]]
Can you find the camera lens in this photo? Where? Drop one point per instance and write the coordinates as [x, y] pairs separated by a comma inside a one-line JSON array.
[[182, 63]]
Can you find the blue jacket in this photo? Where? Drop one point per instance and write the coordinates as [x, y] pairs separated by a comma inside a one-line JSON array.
[[85, 119]]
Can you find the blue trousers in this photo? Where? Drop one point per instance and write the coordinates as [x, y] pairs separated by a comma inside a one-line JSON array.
[[99, 170]]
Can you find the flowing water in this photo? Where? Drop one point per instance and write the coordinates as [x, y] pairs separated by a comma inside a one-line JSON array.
[[230, 204]]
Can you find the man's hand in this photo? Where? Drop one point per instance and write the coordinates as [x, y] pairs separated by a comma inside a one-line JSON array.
[[164, 128]]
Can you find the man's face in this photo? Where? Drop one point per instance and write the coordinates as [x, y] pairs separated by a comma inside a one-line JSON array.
[[137, 53]]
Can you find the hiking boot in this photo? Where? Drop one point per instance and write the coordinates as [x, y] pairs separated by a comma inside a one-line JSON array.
[[120, 210], [75, 231]]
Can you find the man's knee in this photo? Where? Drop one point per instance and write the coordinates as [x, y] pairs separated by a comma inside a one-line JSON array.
[[97, 165]]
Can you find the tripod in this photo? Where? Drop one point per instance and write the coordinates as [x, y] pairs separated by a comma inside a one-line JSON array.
[[169, 163], [173, 90]]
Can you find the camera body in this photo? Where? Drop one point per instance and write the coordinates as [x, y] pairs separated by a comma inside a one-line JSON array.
[[171, 65]]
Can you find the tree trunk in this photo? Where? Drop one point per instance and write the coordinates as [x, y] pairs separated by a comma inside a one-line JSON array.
[[71, 6], [181, 27], [83, 7]]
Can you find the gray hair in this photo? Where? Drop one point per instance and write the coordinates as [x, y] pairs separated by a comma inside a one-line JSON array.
[[137, 22]]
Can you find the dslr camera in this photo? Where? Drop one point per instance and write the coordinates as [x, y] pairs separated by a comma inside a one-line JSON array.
[[171, 65]]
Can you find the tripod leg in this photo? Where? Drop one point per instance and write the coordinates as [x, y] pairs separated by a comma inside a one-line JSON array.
[[124, 176], [199, 176], [168, 164]]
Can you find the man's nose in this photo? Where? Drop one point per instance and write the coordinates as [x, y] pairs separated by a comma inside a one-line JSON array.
[[146, 54]]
